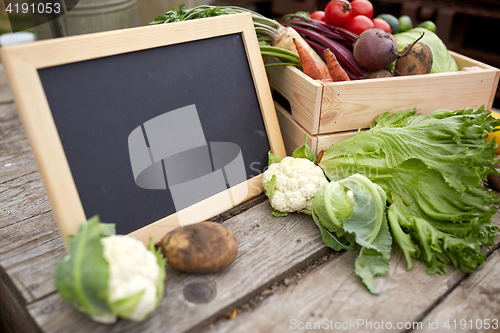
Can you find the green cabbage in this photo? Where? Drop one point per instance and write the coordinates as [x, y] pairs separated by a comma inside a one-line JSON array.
[[431, 167], [350, 211], [442, 60]]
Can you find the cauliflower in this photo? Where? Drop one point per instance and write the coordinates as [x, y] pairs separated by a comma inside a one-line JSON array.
[[107, 276], [296, 182], [133, 269]]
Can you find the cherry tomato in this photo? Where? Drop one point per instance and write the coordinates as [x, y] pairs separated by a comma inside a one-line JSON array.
[[381, 24], [338, 12], [318, 15], [358, 24], [362, 7]]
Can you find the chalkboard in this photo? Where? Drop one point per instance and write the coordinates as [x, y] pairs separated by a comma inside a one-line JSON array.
[[153, 135]]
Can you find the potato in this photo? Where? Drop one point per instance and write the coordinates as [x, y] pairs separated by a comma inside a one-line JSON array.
[[494, 179], [417, 61], [201, 248], [381, 73]]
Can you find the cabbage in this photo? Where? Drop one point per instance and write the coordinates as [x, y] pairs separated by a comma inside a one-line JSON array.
[[431, 167], [350, 211], [442, 60]]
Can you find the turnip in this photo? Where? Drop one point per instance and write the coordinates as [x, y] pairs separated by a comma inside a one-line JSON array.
[[418, 61], [376, 49]]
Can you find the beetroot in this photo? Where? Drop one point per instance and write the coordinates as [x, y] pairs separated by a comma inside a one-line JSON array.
[[375, 49]]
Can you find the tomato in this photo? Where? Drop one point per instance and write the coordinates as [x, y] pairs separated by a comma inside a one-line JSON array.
[[358, 24], [362, 7], [338, 12], [381, 24], [318, 15]]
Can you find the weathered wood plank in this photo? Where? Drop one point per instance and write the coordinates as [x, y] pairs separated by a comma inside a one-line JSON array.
[[333, 295], [13, 315], [477, 299], [23, 201], [16, 158], [5, 92], [268, 249]]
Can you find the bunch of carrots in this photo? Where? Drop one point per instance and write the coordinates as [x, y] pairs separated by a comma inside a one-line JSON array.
[[317, 71]]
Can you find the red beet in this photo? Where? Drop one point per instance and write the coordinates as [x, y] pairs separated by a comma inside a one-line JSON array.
[[375, 49]]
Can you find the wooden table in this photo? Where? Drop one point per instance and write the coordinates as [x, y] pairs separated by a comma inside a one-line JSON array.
[[283, 280]]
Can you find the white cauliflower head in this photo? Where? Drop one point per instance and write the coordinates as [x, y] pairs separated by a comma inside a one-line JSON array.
[[107, 276], [133, 269], [296, 183]]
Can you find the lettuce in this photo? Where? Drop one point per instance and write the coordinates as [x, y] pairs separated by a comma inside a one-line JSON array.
[[431, 168], [442, 60]]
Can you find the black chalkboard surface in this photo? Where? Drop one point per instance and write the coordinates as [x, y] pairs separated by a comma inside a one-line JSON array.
[[151, 128], [85, 96]]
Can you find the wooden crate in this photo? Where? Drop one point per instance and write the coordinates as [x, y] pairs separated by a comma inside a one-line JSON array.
[[294, 134], [329, 107]]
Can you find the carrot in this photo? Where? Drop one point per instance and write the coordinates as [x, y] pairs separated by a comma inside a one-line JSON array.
[[284, 39], [309, 67], [324, 72], [336, 71]]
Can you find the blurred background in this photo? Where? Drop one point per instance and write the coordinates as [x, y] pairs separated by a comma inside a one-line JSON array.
[[471, 28]]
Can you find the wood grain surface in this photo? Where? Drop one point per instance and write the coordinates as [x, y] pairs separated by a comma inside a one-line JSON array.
[[272, 251]]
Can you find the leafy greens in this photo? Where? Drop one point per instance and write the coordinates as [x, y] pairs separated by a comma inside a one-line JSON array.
[[431, 168], [352, 211], [442, 60]]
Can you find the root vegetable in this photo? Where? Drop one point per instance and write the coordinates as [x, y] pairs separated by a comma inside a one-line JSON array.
[[268, 30], [284, 40], [309, 66], [417, 60], [337, 73], [201, 248], [376, 49], [379, 74]]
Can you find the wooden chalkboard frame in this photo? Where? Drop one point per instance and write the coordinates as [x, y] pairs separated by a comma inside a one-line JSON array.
[[22, 63]]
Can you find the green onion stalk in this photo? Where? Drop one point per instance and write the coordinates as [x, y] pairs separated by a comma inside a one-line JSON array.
[[275, 40]]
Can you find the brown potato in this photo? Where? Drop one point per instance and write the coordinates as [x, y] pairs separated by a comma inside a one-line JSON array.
[[200, 248], [381, 73], [494, 179], [417, 61]]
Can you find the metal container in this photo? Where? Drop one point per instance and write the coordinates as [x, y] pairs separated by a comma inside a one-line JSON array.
[[101, 15]]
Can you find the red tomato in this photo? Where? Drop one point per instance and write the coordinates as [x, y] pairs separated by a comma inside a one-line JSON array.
[[358, 24], [362, 7], [338, 12], [318, 15], [381, 24]]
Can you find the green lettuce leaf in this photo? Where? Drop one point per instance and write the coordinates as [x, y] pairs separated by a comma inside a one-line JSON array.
[[431, 168], [81, 277]]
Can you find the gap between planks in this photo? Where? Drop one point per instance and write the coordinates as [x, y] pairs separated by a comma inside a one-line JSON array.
[[267, 249], [334, 292]]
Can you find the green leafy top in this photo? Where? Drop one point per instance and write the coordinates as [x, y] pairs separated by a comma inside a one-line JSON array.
[[352, 211], [431, 167], [81, 277], [442, 60]]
